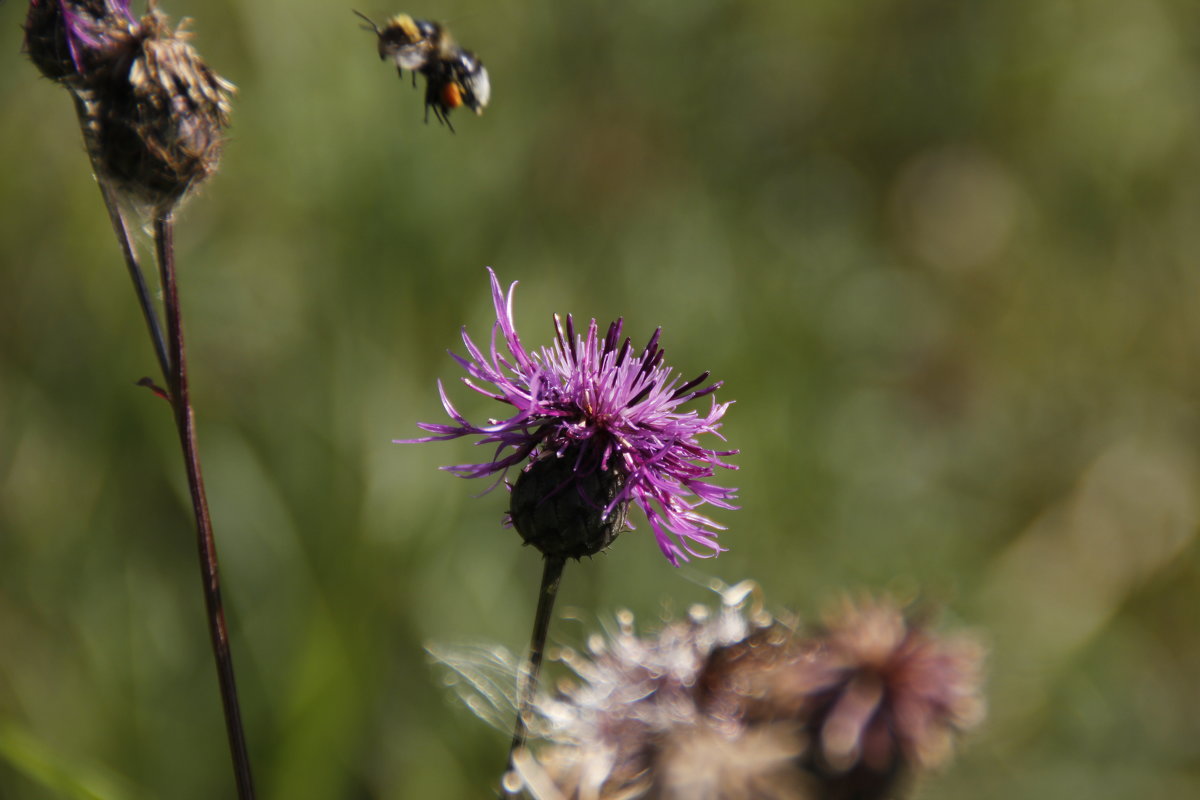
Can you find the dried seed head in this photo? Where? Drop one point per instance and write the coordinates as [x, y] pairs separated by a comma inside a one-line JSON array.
[[879, 696], [644, 721], [699, 762], [157, 113], [734, 705], [560, 509], [66, 38]]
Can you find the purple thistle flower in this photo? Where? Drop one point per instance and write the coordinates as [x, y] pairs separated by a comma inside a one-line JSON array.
[[608, 416]]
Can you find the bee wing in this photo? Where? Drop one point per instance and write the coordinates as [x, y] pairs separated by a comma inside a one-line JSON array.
[[411, 57], [480, 88], [483, 677]]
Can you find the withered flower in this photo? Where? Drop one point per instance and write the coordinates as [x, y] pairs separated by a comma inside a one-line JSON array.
[[158, 113], [153, 112], [880, 694], [736, 704]]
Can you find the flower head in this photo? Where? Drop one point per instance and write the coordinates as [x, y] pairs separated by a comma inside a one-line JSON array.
[[595, 426], [158, 113], [738, 704], [881, 691], [152, 110], [658, 717]]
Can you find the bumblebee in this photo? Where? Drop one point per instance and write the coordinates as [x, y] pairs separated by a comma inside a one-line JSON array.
[[454, 77]]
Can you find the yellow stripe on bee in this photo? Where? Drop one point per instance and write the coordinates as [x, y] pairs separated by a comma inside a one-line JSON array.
[[405, 23]]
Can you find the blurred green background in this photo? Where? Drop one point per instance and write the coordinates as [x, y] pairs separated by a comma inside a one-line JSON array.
[[942, 253]]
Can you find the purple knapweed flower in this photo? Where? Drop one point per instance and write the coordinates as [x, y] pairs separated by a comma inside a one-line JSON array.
[[597, 424]]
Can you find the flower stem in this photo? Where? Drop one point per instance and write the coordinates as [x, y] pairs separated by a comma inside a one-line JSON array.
[[551, 577], [177, 388]]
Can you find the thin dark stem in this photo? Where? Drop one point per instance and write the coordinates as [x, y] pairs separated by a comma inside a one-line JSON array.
[[177, 387], [551, 577], [122, 233]]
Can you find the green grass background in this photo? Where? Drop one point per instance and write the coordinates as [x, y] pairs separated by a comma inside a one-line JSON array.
[[942, 253]]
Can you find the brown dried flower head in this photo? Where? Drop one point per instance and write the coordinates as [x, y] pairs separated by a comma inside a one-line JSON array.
[[642, 723], [153, 112], [736, 704], [886, 689], [158, 113]]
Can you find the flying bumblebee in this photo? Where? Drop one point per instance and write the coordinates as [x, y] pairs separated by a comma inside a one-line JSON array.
[[454, 77]]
